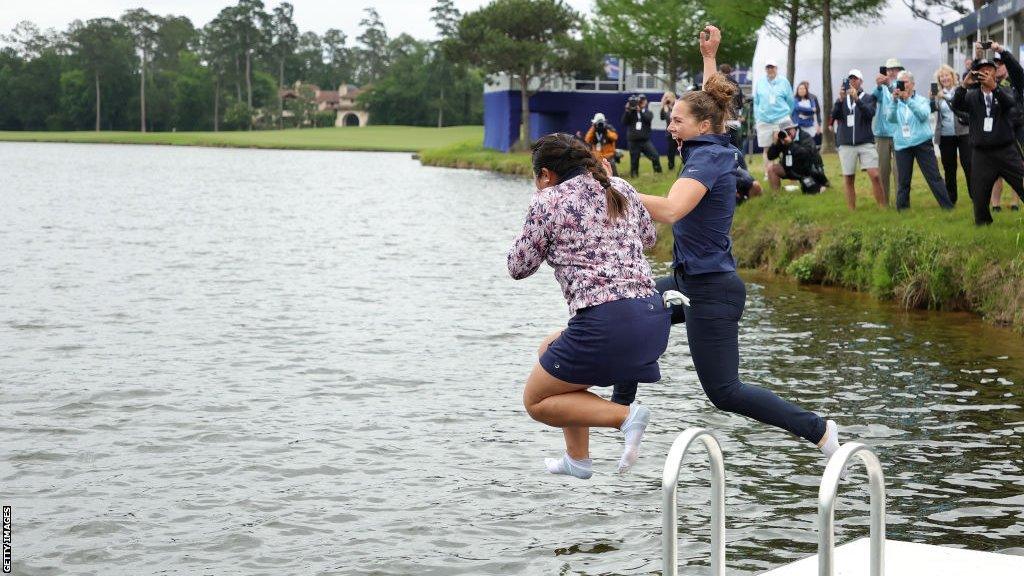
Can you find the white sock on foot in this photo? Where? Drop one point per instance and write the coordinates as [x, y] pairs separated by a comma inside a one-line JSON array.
[[832, 444], [633, 429], [831, 439], [565, 465]]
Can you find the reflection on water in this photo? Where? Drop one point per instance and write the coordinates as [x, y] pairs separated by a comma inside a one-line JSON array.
[[266, 362]]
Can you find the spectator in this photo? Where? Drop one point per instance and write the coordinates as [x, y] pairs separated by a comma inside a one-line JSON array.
[[807, 111], [853, 113], [601, 138], [734, 124], [773, 104], [1008, 75], [800, 159], [951, 132], [668, 100], [911, 114], [882, 128], [637, 119], [994, 147]]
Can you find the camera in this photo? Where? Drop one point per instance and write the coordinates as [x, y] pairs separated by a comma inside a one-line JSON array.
[[633, 102], [883, 70], [783, 135], [986, 44], [975, 74], [901, 85], [846, 84], [599, 127]]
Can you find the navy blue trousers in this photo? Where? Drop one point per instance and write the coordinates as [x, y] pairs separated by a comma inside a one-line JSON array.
[[712, 327]]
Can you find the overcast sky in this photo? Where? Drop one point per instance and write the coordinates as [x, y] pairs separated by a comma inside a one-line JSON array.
[[411, 16]]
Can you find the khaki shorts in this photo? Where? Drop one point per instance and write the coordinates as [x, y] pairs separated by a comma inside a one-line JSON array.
[[766, 132], [849, 156]]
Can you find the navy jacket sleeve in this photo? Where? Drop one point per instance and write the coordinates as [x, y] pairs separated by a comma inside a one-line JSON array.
[[867, 105], [1013, 69]]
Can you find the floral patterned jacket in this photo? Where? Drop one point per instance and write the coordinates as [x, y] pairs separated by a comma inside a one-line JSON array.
[[596, 260]]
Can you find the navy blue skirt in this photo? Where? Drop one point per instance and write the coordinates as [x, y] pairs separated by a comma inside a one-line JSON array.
[[612, 343]]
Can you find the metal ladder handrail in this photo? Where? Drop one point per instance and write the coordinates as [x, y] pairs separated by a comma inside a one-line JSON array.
[[670, 479], [827, 501]]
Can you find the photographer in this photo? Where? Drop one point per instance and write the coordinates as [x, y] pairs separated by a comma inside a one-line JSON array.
[[911, 115], [995, 154], [799, 159], [883, 130], [602, 138], [1009, 74], [637, 120], [853, 113]]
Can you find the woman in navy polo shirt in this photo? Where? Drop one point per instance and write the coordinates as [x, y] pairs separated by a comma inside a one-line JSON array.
[[700, 207]]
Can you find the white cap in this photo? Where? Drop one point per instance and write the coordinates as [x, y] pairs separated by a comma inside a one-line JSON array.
[[771, 62], [855, 72], [597, 118]]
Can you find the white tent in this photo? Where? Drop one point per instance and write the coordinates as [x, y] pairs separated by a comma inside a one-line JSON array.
[[915, 42]]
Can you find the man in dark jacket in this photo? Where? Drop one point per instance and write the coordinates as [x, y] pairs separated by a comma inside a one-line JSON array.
[[995, 154], [798, 159], [852, 114], [637, 120]]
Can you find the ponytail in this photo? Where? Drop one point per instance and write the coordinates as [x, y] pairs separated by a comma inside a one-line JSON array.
[[563, 154]]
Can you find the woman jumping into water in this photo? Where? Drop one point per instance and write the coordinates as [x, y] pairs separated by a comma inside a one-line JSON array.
[[592, 230], [700, 206]]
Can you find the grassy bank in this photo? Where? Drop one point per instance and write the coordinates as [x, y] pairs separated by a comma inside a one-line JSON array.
[[921, 258], [370, 138]]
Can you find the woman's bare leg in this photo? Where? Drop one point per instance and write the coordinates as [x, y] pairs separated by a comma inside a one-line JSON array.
[[577, 438], [577, 442], [561, 404]]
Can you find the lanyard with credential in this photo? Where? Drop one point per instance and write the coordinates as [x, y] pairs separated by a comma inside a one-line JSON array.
[[904, 121], [987, 126]]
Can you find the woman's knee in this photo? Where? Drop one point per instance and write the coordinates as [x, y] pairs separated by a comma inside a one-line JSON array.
[[723, 396]]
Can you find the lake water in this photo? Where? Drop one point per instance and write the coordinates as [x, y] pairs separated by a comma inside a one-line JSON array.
[[275, 362]]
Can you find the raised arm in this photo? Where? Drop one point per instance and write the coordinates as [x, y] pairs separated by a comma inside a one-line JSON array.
[[710, 38]]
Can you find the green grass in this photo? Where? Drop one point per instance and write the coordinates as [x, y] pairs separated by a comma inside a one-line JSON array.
[[921, 258], [370, 138]]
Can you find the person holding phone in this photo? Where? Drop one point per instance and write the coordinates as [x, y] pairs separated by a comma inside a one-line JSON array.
[[911, 114], [852, 115], [883, 130], [951, 132], [994, 147]]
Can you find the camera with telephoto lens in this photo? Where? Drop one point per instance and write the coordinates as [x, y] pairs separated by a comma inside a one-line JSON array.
[[634, 102], [783, 135]]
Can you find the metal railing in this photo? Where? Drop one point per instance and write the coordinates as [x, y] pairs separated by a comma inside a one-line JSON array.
[[669, 481], [827, 501]]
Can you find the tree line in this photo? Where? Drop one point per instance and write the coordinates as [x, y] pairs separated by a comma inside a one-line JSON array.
[[150, 72], [143, 71]]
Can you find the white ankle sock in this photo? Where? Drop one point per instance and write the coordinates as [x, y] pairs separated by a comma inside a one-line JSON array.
[[832, 444], [581, 469], [633, 429], [831, 439]]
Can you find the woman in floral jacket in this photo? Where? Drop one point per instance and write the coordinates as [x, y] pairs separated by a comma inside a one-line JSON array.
[[592, 230]]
